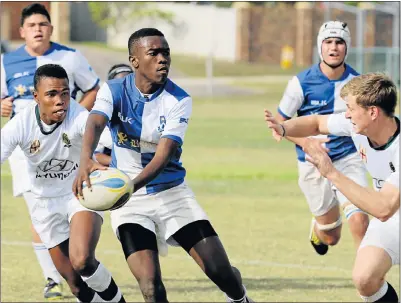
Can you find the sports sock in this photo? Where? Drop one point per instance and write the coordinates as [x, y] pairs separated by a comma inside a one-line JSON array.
[[386, 293], [102, 282], [46, 262]]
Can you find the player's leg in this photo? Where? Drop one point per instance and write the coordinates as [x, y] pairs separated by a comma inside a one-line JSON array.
[[85, 227], [49, 218], [353, 167], [53, 288], [327, 223], [134, 226], [201, 242], [378, 251], [18, 167], [140, 250], [186, 224]]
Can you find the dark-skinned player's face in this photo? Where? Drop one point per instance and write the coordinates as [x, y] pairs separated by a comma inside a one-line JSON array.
[[151, 59], [53, 97]]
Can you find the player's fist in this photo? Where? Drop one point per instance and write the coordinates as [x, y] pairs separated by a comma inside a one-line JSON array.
[[274, 125], [7, 106]]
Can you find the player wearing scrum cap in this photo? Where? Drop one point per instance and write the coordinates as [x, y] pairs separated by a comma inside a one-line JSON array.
[[316, 90]]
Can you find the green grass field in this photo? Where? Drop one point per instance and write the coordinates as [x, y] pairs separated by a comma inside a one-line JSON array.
[[247, 183]]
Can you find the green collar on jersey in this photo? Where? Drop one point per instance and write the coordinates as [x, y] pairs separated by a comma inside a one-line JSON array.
[[37, 114], [392, 138]]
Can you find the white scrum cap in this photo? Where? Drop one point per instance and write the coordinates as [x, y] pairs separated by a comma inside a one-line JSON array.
[[333, 29]]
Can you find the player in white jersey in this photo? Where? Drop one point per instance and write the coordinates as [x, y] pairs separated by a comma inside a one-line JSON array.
[[148, 115], [49, 134], [370, 122], [17, 70], [316, 90]]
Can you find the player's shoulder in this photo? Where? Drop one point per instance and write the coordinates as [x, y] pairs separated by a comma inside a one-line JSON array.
[[56, 47], [175, 91], [15, 56], [76, 109], [351, 71], [309, 74]]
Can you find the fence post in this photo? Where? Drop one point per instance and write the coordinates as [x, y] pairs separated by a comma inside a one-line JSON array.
[[304, 41]]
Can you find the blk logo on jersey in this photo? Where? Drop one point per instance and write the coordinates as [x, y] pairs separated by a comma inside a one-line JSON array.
[[66, 141], [34, 147], [124, 119], [56, 169], [184, 120], [392, 167], [160, 128]]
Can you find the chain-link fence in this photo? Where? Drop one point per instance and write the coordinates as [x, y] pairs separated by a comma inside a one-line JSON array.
[[375, 35]]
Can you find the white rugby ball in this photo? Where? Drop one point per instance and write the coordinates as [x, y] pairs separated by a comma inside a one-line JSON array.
[[111, 189]]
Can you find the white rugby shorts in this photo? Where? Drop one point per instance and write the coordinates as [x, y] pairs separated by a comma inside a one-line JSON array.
[[51, 217], [319, 192], [170, 210]]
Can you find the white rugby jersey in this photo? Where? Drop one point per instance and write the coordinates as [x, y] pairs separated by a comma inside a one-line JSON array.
[[382, 163], [52, 151], [311, 92], [18, 69], [137, 123]]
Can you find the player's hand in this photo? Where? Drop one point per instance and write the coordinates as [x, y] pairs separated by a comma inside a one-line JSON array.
[[85, 169], [7, 106], [274, 125], [316, 154]]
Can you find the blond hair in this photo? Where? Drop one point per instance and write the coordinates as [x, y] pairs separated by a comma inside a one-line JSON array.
[[372, 89]]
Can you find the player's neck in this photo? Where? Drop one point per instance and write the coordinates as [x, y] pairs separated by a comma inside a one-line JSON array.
[[145, 86], [332, 73], [38, 51], [380, 134]]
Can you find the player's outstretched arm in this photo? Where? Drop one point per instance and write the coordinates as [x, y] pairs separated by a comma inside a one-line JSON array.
[[298, 127], [165, 150], [93, 130], [380, 204]]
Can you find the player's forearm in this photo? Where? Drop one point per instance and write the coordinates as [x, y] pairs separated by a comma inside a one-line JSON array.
[[93, 130], [302, 127], [89, 98], [367, 199], [103, 159], [163, 155], [298, 141]]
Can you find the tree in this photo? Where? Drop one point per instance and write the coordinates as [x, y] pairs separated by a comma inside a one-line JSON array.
[[107, 14]]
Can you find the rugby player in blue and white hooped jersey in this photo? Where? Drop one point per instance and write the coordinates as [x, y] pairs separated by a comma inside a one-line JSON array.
[[317, 91], [148, 116], [370, 121], [17, 71]]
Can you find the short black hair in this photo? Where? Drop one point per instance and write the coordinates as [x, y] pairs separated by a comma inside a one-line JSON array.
[[143, 32], [118, 68], [49, 71], [32, 9]]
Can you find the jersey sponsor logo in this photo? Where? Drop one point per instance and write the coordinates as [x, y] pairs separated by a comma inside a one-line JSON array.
[[34, 147], [56, 169], [124, 119], [125, 141], [66, 141], [162, 120], [19, 75], [20, 89], [378, 183], [362, 153], [392, 167]]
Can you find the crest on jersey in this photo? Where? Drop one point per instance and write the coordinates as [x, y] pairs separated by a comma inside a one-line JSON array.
[[160, 128], [392, 167], [34, 147], [66, 141], [362, 153]]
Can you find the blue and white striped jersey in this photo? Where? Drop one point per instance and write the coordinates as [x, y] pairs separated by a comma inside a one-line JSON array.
[[311, 92], [138, 122], [18, 69]]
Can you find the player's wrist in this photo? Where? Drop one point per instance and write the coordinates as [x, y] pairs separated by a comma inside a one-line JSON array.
[[283, 130]]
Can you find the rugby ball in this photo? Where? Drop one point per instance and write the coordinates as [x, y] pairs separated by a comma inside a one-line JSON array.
[[111, 189]]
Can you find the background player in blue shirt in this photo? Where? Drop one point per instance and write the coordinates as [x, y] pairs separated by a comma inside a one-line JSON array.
[[317, 91], [148, 115], [17, 72]]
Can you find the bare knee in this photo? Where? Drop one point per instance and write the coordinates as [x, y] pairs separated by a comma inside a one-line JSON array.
[[83, 263], [358, 223], [366, 282], [331, 237]]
